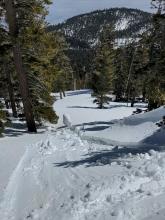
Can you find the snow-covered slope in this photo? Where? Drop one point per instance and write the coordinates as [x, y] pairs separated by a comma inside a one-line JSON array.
[[63, 177]]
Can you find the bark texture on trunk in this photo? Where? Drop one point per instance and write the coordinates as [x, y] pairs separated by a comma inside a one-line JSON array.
[[24, 89]]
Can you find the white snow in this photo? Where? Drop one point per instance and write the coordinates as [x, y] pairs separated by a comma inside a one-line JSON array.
[[122, 24], [81, 109], [133, 129], [65, 177], [12, 147]]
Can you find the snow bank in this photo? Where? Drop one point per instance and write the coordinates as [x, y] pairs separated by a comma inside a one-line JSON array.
[[64, 177], [152, 116], [133, 129], [67, 121]]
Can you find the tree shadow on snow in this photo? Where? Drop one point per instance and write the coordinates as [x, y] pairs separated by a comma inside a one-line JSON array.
[[107, 107], [96, 123], [157, 138], [17, 129], [105, 157], [72, 93], [85, 107], [95, 126]]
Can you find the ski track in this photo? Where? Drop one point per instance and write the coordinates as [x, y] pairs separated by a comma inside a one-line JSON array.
[[130, 188]]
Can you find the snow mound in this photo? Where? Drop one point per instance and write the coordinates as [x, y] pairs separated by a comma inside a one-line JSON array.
[[152, 116], [133, 129]]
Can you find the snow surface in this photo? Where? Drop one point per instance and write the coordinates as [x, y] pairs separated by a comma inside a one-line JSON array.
[[133, 129], [13, 145], [65, 177], [81, 109]]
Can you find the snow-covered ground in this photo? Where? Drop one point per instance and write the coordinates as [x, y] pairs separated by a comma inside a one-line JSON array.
[[13, 145], [79, 107], [131, 130], [65, 177]]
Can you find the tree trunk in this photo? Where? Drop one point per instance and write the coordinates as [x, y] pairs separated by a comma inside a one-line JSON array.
[[74, 84], [23, 82], [60, 95], [10, 90], [130, 72], [144, 95], [7, 104], [24, 89], [132, 102], [101, 102], [63, 92]]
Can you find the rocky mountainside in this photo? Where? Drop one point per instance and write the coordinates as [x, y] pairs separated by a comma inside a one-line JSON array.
[[83, 31]]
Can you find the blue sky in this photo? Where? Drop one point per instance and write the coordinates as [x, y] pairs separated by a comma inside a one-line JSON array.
[[60, 10]]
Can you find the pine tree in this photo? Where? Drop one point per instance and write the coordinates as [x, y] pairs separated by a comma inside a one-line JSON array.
[[102, 76], [12, 18], [34, 51], [121, 71], [156, 69], [38, 60], [63, 70]]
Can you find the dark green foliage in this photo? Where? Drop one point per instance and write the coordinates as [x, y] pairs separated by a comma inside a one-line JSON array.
[[81, 62], [101, 99], [41, 58], [44, 112], [156, 66], [103, 73], [120, 73], [63, 79]]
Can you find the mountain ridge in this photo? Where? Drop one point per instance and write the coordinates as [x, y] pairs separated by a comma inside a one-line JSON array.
[[86, 28]]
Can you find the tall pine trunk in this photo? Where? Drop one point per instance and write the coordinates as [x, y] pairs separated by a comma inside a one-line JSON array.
[[63, 92], [23, 82], [24, 89], [60, 94], [10, 90]]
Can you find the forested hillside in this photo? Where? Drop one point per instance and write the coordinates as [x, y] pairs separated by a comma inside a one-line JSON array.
[[83, 34], [85, 29]]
